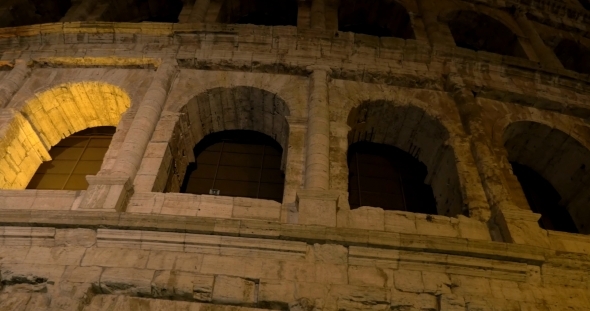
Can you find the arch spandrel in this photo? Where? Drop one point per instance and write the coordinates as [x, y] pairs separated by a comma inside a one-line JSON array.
[[574, 127], [69, 108], [52, 115], [238, 108], [192, 83], [447, 10], [346, 96]]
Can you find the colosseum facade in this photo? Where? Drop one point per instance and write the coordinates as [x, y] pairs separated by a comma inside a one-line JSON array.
[[300, 155]]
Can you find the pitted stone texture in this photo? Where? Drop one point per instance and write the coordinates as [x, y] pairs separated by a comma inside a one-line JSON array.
[[235, 290]]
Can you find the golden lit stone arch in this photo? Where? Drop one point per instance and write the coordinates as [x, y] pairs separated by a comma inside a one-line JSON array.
[[49, 117]]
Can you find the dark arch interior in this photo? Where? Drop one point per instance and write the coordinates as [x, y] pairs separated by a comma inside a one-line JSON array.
[[413, 131], [479, 32], [238, 163], [387, 177], [375, 18], [18, 13], [165, 11], [544, 199], [260, 12], [73, 158], [585, 4], [559, 159], [573, 56]]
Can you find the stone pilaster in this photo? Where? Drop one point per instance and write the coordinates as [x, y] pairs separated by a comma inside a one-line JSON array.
[[294, 166], [438, 32], [111, 193], [317, 175], [316, 204], [199, 11], [318, 14], [546, 56], [13, 82], [516, 225]]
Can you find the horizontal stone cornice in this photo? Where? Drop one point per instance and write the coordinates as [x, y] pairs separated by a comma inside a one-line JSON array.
[[271, 230]]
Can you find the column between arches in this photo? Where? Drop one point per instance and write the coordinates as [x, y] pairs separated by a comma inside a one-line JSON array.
[[506, 217], [112, 192], [317, 204]]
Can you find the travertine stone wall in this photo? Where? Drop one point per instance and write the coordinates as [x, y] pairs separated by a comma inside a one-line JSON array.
[[131, 242]]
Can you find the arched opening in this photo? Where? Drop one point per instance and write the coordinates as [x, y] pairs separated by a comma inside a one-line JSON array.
[[552, 168], [218, 112], [480, 32], [585, 4], [165, 11], [18, 13], [259, 12], [375, 18], [387, 177], [236, 163], [543, 199], [72, 159], [47, 118], [573, 56], [411, 147]]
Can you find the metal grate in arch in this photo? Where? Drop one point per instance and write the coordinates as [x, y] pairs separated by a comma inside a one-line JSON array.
[[238, 164], [73, 158]]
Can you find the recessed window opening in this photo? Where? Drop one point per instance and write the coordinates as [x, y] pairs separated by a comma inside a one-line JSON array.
[[552, 168], [573, 56], [387, 177], [544, 199], [238, 163], [260, 12], [479, 32], [375, 18], [73, 158]]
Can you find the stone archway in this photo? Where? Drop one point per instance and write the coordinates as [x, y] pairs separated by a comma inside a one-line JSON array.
[[223, 109], [414, 131], [51, 116], [559, 158], [376, 18], [480, 32]]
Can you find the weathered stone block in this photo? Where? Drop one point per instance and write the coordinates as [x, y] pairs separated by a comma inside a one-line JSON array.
[[435, 225], [317, 207], [408, 281], [75, 274], [75, 237], [276, 294], [370, 276], [127, 281], [115, 257], [368, 218], [402, 222], [234, 290], [330, 253]]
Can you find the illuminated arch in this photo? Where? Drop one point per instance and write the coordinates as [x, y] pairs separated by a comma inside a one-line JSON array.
[[51, 116]]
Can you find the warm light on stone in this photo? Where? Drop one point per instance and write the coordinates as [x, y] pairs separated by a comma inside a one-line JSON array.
[[48, 118]]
